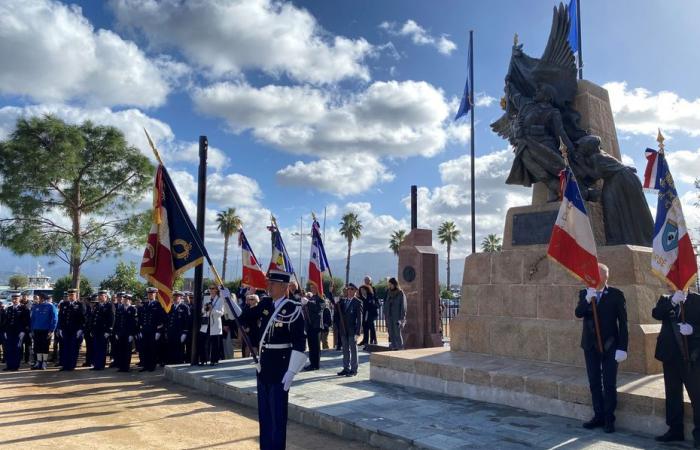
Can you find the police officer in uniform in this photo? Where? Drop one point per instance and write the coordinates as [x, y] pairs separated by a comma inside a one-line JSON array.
[[282, 346], [140, 310], [71, 325], [116, 304], [16, 327], [102, 322], [670, 350], [179, 323], [90, 306], [152, 330], [125, 328]]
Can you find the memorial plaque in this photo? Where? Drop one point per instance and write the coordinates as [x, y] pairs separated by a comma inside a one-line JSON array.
[[533, 228]]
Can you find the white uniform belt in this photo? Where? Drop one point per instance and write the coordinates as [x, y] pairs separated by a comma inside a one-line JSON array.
[[277, 346]]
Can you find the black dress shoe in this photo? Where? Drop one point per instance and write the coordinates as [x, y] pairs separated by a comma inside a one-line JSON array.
[[593, 423], [351, 374], [343, 372], [308, 369], [609, 426], [671, 436]]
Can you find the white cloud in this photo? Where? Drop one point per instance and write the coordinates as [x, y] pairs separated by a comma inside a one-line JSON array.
[[639, 111], [420, 36], [228, 37], [484, 100], [684, 165], [52, 53], [340, 175]]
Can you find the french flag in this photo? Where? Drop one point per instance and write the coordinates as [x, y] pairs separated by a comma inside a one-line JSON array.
[[318, 262], [672, 258], [253, 275], [572, 244]]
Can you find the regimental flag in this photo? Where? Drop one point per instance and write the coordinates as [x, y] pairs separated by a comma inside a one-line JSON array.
[[672, 258], [466, 102], [173, 244], [573, 25], [280, 260], [572, 244], [253, 275], [318, 262]]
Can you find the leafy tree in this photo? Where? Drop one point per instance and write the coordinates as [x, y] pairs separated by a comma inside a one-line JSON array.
[[397, 238], [337, 286], [65, 283], [351, 229], [233, 285], [228, 223], [381, 288], [448, 233], [18, 281], [492, 243], [446, 293], [72, 191], [125, 278]]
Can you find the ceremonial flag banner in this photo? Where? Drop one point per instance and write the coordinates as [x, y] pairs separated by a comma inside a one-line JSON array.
[[573, 30], [672, 259], [280, 258], [572, 244], [173, 245], [465, 104], [318, 262], [253, 275]]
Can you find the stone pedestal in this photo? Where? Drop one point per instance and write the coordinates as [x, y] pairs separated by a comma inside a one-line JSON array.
[[517, 303], [418, 276]]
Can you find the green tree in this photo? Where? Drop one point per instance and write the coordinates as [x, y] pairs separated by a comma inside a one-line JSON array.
[[397, 238], [446, 293], [337, 286], [491, 243], [351, 229], [18, 281], [72, 191], [233, 285], [448, 234], [125, 278], [64, 283], [228, 223], [381, 288]]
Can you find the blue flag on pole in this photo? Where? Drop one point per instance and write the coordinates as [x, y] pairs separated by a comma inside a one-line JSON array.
[[465, 105], [573, 28]]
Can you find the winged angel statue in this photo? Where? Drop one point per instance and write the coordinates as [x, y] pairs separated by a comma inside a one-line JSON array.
[[538, 104]]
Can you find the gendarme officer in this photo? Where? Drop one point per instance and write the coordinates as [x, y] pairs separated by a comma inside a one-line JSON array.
[[16, 327], [125, 328], [152, 329], [101, 328], [179, 323], [282, 345], [71, 323]]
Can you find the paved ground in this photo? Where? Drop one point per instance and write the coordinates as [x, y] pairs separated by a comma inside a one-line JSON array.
[[108, 410], [397, 418]]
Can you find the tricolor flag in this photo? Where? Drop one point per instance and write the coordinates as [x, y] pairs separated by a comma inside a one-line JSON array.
[[280, 260], [318, 262], [173, 245], [253, 275], [572, 244], [672, 258]]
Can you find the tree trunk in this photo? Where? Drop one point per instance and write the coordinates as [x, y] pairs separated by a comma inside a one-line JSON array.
[[347, 263], [448, 265], [75, 248], [223, 268]]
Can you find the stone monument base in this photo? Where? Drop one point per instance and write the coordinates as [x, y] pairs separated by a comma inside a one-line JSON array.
[[535, 386]]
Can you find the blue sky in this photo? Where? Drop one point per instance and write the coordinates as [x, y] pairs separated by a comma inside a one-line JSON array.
[[340, 104]]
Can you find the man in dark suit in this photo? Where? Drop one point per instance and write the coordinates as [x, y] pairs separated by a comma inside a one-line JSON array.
[[349, 312], [602, 366], [315, 306], [670, 350]]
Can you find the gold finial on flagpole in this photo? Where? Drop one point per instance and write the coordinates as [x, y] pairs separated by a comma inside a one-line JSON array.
[[660, 139], [153, 147]]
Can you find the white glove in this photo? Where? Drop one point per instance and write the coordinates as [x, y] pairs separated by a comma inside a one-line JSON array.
[[157, 336], [304, 301], [21, 335], [678, 297], [620, 355], [140, 336], [686, 329], [183, 337], [116, 337], [79, 334], [287, 379], [225, 293], [336, 300], [59, 333], [590, 294], [131, 338]]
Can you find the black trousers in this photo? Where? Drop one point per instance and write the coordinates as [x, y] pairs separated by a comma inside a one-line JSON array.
[[215, 348], [149, 348], [27, 345], [122, 352], [41, 341], [370, 332], [676, 375], [602, 379], [88, 348], [273, 401], [314, 348]]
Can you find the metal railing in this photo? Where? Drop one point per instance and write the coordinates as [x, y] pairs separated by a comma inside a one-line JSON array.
[[448, 311]]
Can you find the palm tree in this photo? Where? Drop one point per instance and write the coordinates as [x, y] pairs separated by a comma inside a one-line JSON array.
[[448, 233], [350, 228], [396, 240], [491, 243], [228, 223]]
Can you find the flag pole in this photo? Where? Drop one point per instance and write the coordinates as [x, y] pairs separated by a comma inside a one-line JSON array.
[[580, 54], [594, 306], [471, 101]]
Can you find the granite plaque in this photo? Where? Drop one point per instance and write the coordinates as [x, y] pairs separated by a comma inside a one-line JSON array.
[[533, 228]]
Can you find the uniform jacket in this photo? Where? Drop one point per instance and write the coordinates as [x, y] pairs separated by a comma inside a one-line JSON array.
[[251, 324], [125, 321], [395, 305], [71, 317], [668, 343], [315, 308], [351, 309], [153, 318], [102, 319], [179, 321], [211, 320], [16, 319], [44, 316], [275, 362], [612, 315]]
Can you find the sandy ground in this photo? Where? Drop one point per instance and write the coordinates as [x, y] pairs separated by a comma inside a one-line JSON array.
[[110, 410]]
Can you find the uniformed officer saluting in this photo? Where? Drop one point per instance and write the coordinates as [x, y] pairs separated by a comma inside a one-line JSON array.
[[282, 345], [71, 323], [152, 328], [179, 323], [16, 327], [102, 321]]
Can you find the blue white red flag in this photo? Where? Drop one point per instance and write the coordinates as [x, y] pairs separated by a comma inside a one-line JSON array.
[[672, 259], [318, 262], [280, 259], [572, 243], [253, 275]]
